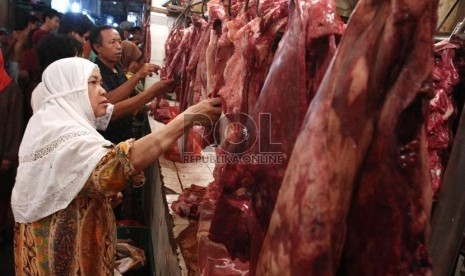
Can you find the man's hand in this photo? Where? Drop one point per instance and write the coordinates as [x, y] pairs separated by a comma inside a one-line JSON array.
[[162, 87], [147, 70]]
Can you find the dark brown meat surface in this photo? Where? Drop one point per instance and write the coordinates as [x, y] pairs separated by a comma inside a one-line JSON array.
[[442, 111], [362, 151], [250, 188]]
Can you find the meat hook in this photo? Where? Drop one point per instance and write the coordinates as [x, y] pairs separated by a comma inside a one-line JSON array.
[[246, 6], [183, 14], [187, 12], [204, 5], [257, 3], [229, 8]]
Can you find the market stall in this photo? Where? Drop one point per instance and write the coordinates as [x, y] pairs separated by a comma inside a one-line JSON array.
[[336, 152]]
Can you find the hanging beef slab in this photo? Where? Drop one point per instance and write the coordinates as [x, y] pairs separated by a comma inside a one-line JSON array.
[[442, 111], [249, 190], [363, 132]]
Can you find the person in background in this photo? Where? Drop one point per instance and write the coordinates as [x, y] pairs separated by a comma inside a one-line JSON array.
[[106, 43], [126, 27], [17, 46], [135, 37], [68, 173], [4, 39], [50, 49], [126, 34], [132, 59], [50, 22], [29, 74], [11, 131], [56, 46], [77, 25]]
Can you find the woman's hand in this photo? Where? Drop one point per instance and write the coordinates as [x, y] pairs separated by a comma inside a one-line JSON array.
[[149, 148], [204, 113]]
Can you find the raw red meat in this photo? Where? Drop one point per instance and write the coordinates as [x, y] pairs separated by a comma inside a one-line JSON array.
[[161, 110], [442, 111], [362, 150], [178, 53], [249, 190], [188, 202], [247, 68]]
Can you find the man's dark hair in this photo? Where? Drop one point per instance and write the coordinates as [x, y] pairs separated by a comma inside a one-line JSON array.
[[50, 13], [75, 22], [95, 36], [53, 47], [120, 31]]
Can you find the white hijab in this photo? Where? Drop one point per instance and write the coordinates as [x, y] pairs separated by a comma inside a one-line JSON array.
[[61, 146]]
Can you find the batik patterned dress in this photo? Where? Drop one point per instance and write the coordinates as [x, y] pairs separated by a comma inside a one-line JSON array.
[[81, 239]]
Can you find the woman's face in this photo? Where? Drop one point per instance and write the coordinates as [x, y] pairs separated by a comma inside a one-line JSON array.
[[136, 65], [97, 97]]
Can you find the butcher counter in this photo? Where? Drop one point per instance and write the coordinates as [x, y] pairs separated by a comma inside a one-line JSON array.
[[170, 232]]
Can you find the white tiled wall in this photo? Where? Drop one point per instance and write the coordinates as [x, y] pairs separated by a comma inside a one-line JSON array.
[[159, 30]]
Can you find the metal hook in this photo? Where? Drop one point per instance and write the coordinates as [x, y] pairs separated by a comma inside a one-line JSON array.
[[257, 11], [186, 12], [246, 6], [204, 5], [460, 28]]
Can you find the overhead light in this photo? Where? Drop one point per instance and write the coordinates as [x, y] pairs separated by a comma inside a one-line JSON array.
[[76, 7], [110, 20], [60, 5], [132, 17]]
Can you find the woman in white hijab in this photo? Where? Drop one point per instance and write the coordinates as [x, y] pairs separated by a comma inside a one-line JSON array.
[[68, 173]]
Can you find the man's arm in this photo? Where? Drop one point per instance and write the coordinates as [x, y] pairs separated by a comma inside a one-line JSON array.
[[128, 106], [124, 91]]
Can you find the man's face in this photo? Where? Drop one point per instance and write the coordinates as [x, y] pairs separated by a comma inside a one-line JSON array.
[[110, 50], [136, 35], [52, 24]]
